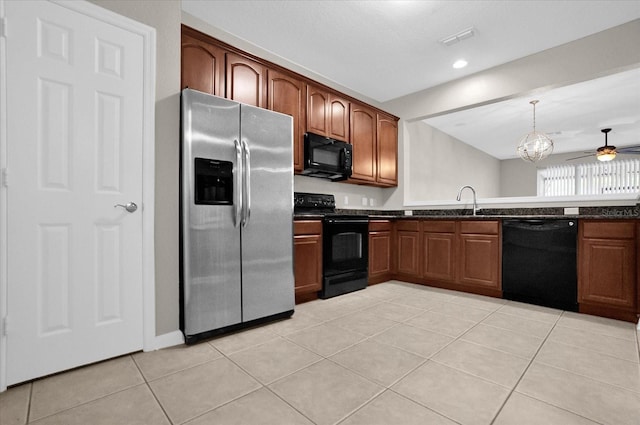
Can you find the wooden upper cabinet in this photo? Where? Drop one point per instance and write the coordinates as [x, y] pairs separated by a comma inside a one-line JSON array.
[[338, 118], [387, 150], [245, 80], [317, 111], [213, 67], [327, 114], [286, 94], [364, 141], [202, 66]]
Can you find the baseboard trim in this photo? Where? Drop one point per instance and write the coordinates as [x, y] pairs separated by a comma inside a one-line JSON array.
[[168, 340]]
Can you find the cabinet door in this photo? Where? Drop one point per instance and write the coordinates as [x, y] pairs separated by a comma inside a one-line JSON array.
[[387, 150], [287, 95], [379, 254], [363, 138], [338, 118], [202, 66], [607, 272], [438, 256], [408, 253], [245, 80], [308, 263], [480, 260], [317, 111]]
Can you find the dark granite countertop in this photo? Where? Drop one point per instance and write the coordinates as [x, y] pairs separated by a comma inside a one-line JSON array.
[[624, 212]]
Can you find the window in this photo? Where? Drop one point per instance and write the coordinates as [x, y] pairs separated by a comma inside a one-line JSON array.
[[594, 178]]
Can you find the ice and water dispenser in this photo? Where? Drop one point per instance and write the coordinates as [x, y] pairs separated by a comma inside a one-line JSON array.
[[213, 182]]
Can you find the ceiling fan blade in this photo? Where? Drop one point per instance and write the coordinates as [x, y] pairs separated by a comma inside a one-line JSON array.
[[629, 149], [578, 157]]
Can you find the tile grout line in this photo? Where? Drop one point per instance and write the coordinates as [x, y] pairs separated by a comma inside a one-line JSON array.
[[155, 397], [524, 372], [85, 402], [28, 418]]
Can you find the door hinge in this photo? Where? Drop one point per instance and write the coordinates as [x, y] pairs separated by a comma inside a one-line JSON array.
[[4, 178], [3, 326]]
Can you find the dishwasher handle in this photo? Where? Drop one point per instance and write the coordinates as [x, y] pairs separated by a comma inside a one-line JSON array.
[[539, 224]]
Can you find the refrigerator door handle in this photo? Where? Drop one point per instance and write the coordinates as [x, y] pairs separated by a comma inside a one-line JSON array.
[[246, 170], [238, 182]]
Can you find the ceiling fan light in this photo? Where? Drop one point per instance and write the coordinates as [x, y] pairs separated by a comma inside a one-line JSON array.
[[605, 155]]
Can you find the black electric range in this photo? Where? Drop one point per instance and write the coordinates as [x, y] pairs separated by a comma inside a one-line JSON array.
[[345, 244]]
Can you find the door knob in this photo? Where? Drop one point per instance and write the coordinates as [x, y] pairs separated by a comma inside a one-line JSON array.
[[130, 207]]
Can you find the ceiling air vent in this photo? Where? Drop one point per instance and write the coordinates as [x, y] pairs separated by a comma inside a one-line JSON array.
[[456, 38]]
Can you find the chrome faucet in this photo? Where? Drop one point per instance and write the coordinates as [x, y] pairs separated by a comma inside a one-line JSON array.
[[475, 203]]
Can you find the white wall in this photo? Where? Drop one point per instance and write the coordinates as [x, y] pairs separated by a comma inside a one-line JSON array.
[[439, 165]]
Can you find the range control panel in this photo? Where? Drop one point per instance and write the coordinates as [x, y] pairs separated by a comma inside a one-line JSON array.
[[313, 201]]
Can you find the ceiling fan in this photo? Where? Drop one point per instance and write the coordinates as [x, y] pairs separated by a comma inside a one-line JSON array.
[[607, 152]]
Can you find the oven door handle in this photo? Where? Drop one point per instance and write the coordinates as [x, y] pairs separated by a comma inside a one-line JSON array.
[[347, 220]]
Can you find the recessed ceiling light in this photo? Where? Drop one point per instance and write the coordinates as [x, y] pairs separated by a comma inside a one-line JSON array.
[[460, 63]]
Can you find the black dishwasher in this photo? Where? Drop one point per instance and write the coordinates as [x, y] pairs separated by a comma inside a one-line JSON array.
[[539, 262]]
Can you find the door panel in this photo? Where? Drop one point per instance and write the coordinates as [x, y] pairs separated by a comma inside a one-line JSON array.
[[267, 247], [211, 273], [245, 81], [287, 96], [202, 66], [75, 114], [363, 139]]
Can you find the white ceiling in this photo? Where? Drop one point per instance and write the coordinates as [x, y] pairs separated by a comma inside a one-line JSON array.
[[572, 116], [387, 49]]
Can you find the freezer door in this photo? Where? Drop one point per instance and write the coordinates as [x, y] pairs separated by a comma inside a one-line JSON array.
[[210, 286], [267, 232]]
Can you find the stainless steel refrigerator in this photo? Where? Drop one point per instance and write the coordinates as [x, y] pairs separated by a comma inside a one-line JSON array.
[[236, 215]]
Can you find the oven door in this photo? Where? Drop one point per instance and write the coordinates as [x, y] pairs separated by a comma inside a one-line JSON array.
[[345, 245]]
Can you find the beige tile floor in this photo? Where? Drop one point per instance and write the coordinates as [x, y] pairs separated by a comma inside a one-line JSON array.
[[394, 353]]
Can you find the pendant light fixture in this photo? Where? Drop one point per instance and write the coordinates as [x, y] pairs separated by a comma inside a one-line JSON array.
[[535, 145]]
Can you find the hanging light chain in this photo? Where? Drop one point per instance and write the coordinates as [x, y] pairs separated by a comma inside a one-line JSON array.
[[533, 102]]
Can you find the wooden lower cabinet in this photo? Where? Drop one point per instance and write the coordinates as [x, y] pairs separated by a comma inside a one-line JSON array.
[[480, 254], [307, 245], [438, 250], [607, 268], [463, 255], [408, 250], [380, 259]]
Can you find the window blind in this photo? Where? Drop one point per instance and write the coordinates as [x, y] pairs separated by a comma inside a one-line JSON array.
[[594, 178]]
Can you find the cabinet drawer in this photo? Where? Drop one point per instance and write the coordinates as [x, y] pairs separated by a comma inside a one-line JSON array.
[[480, 227], [379, 226], [609, 229], [408, 225], [307, 227], [438, 226]]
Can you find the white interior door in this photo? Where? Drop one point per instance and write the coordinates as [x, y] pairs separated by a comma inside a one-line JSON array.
[[74, 150]]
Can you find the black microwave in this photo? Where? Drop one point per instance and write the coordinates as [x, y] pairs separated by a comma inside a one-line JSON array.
[[326, 158]]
